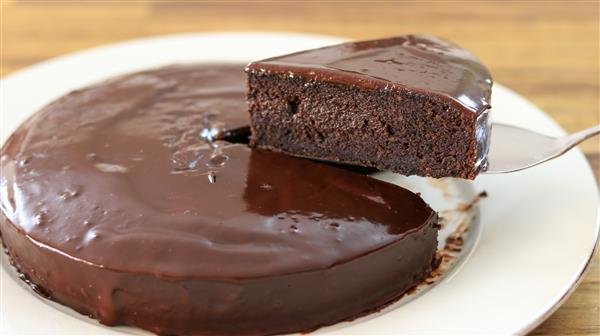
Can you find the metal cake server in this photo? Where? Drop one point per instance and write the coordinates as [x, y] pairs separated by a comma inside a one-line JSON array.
[[514, 148]]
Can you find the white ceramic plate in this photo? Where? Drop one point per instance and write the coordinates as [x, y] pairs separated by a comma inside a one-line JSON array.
[[525, 252]]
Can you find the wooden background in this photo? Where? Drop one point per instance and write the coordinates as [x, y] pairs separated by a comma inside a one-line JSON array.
[[547, 51]]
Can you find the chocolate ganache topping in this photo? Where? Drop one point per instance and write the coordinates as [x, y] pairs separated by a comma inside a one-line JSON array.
[[132, 184], [121, 168], [418, 62]]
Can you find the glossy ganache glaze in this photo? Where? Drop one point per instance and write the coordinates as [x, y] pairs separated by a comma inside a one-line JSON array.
[[413, 61], [412, 64], [127, 202]]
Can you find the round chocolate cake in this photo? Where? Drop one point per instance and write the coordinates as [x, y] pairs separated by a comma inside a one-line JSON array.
[[136, 201]]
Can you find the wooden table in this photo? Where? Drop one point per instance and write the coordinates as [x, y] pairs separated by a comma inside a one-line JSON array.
[[546, 51]]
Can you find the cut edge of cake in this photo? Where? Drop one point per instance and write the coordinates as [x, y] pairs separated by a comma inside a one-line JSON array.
[[432, 122]]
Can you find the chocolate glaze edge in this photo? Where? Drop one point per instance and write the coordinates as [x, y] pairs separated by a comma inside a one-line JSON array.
[[366, 82], [106, 301], [432, 220], [307, 64]]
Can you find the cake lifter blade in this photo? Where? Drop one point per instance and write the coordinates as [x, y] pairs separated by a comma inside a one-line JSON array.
[[514, 148]]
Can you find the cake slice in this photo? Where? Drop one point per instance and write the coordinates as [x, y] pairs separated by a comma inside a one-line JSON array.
[[413, 104]]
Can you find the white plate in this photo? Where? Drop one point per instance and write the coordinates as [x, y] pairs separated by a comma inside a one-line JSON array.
[[524, 256]]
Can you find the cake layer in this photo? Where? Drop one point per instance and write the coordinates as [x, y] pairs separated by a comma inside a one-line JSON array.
[[120, 201], [416, 105]]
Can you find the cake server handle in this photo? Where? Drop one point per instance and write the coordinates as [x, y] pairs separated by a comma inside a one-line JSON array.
[[513, 148]]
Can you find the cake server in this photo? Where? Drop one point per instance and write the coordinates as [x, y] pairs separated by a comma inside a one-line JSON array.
[[513, 148]]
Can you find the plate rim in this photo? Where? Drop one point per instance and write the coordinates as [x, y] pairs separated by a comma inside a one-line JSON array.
[[575, 285]]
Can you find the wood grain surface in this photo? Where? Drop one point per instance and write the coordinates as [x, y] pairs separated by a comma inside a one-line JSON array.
[[548, 51]]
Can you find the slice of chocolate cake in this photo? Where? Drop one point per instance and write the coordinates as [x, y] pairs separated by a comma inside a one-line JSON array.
[[413, 104]]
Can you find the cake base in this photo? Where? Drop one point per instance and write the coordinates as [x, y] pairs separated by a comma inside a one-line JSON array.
[[126, 202], [299, 302], [362, 127]]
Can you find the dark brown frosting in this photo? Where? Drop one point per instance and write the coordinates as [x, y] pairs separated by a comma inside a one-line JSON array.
[[129, 177], [416, 62]]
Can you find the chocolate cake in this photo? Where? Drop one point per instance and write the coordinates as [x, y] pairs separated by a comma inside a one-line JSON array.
[[129, 202], [413, 104]]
